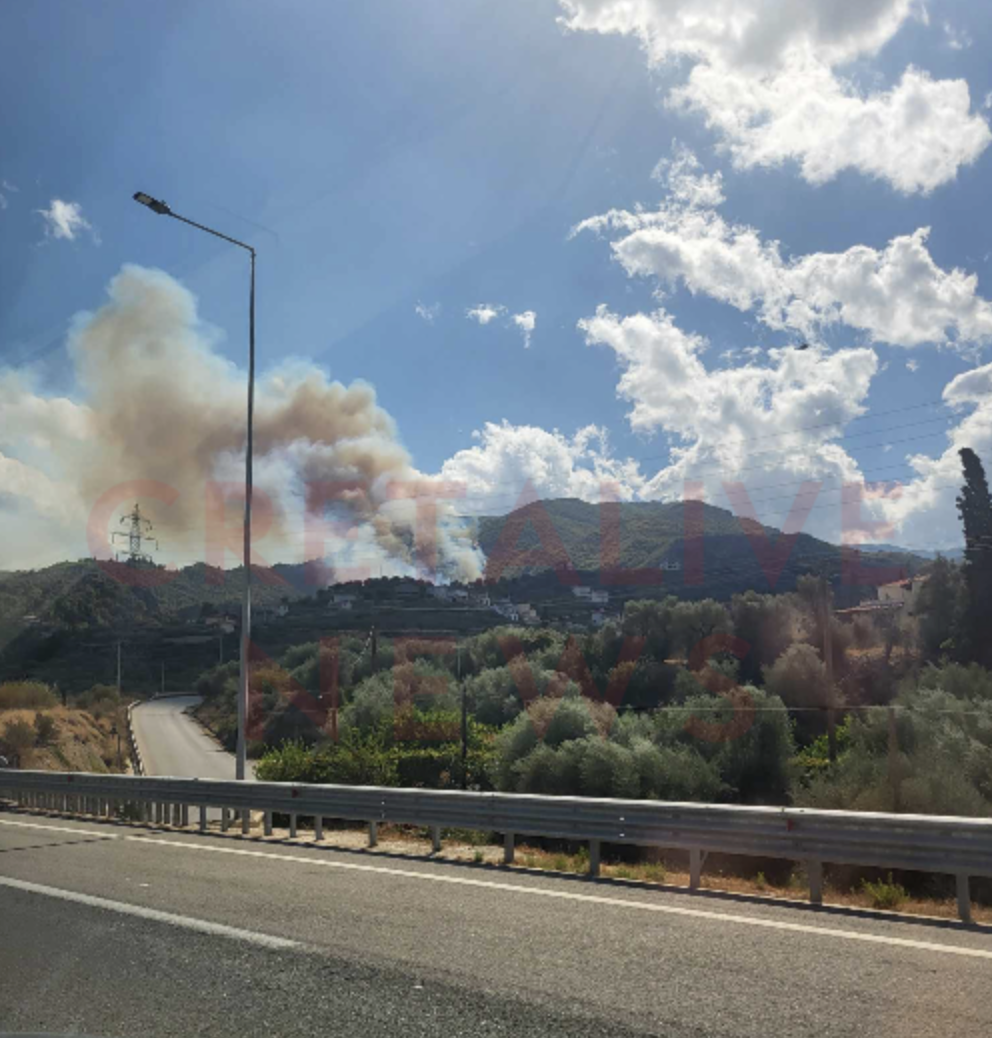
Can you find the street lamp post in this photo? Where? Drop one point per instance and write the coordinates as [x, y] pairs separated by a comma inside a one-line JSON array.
[[163, 210]]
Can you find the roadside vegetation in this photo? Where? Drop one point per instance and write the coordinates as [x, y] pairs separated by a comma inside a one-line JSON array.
[[37, 732]]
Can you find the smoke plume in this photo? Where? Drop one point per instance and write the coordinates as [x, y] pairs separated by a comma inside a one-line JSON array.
[[159, 404]]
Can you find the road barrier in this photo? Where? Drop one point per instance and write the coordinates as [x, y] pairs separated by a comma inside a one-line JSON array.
[[132, 743], [961, 847]]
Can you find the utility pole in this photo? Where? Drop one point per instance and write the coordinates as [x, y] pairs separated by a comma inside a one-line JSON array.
[[220, 648], [458, 671], [118, 669], [828, 662]]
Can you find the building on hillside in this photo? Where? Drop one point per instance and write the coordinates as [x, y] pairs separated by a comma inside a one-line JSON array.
[[599, 597], [527, 613], [582, 592], [670, 566], [902, 593], [408, 588], [440, 592]]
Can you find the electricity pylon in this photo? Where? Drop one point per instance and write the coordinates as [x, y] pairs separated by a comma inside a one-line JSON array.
[[139, 532]]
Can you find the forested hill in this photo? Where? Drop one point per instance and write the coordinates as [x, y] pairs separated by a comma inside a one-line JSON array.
[[650, 534], [89, 593]]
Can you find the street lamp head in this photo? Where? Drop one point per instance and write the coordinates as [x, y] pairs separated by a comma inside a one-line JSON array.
[[152, 203]]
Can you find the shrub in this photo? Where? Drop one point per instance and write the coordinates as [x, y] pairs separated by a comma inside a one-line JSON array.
[[100, 701], [885, 895], [493, 696], [26, 695], [19, 736], [44, 727], [609, 770]]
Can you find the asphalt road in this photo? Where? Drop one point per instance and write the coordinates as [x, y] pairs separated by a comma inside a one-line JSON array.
[[172, 743], [111, 929]]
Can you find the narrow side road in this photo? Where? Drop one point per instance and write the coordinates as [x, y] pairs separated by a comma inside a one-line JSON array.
[[172, 743]]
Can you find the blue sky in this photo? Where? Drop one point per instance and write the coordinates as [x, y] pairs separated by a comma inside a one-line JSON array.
[[392, 155]]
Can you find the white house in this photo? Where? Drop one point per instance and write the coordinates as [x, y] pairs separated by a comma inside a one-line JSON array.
[[599, 597], [904, 593], [582, 592], [670, 567]]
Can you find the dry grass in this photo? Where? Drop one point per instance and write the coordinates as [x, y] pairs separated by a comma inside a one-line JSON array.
[[80, 741], [411, 842]]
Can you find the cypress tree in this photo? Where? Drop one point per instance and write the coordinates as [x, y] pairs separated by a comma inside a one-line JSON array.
[[975, 508]]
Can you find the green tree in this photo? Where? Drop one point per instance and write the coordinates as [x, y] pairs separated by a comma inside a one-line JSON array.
[[768, 624], [940, 608], [975, 508], [799, 678]]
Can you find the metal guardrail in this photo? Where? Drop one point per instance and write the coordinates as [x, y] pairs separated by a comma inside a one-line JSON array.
[[961, 847], [132, 743]]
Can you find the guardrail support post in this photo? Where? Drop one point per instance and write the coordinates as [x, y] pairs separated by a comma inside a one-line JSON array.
[[292, 826], [158, 812], [318, 828], [964, 897], [435, 839], [267, 824], [695, 868], [177, 815], [593, 859], [203, 818], [225, 819], [509, 848], [815, 871], [245, 821], [373, 834], [184, 816]]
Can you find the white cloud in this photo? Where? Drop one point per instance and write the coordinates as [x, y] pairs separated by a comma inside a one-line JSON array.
[[485, 312], [427, 313], [913, 365], [685, 182], [526, 322], [510, 460], [3, 202], [65, 220], [764, 77], [771, 426], [897, 295], [987, 103], [924, 509], [915, 136], [957, 39]]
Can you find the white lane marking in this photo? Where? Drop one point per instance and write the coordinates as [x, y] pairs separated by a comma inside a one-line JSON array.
[[188, 923], [58, 829], [595, 899]]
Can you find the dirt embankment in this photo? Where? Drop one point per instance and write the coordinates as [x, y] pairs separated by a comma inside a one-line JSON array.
[[75, 740]]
